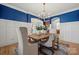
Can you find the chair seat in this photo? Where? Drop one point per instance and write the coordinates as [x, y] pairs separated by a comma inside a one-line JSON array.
[[46, 50]]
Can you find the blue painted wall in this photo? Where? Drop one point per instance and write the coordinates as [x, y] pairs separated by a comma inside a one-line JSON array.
[[12, 14], [67, 17], [70, 17]]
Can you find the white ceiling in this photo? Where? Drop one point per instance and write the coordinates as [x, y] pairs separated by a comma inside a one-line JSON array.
[[52, 9]]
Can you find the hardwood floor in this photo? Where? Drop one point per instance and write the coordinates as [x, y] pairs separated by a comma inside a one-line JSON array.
[[73, 48], [8, 50]]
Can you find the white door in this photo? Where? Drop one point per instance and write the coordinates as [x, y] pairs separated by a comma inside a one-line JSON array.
[[55, 24]]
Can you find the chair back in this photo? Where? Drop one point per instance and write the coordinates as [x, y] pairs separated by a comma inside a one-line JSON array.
[[28, 48]]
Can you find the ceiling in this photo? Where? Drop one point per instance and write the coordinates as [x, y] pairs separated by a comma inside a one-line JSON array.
[[52, 9]]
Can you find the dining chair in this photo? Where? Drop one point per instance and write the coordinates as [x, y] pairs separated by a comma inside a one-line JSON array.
[[46, 47], [55, 42], [27, 47]]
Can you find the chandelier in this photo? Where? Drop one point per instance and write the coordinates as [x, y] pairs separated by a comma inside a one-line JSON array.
[[44, 11]]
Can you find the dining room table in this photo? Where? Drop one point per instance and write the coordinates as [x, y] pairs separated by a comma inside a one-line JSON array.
[[42, 37], [39, 38]]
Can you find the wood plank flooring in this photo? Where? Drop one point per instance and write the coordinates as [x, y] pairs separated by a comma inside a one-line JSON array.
[[8, 50], [73, 48]]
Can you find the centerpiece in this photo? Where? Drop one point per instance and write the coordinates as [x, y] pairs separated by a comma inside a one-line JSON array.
[[41, 29]]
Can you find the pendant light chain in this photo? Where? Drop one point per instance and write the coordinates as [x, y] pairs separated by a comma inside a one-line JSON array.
[[44, 11]]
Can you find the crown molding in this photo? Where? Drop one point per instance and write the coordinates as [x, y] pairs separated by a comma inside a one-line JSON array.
[[16, 8], [64, 12]]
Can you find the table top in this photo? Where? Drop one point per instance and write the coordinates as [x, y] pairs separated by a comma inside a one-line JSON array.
[[39, 37]]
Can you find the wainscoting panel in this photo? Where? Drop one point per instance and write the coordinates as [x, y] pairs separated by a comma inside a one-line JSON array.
[[70, 31]]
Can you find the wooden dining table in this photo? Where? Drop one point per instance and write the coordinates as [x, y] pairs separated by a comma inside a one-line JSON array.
[[39, 37]]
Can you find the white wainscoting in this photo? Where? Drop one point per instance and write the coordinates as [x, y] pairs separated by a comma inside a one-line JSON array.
[[70, 31], [9, 29]]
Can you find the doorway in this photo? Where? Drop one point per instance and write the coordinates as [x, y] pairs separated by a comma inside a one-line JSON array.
[[55, 24]]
